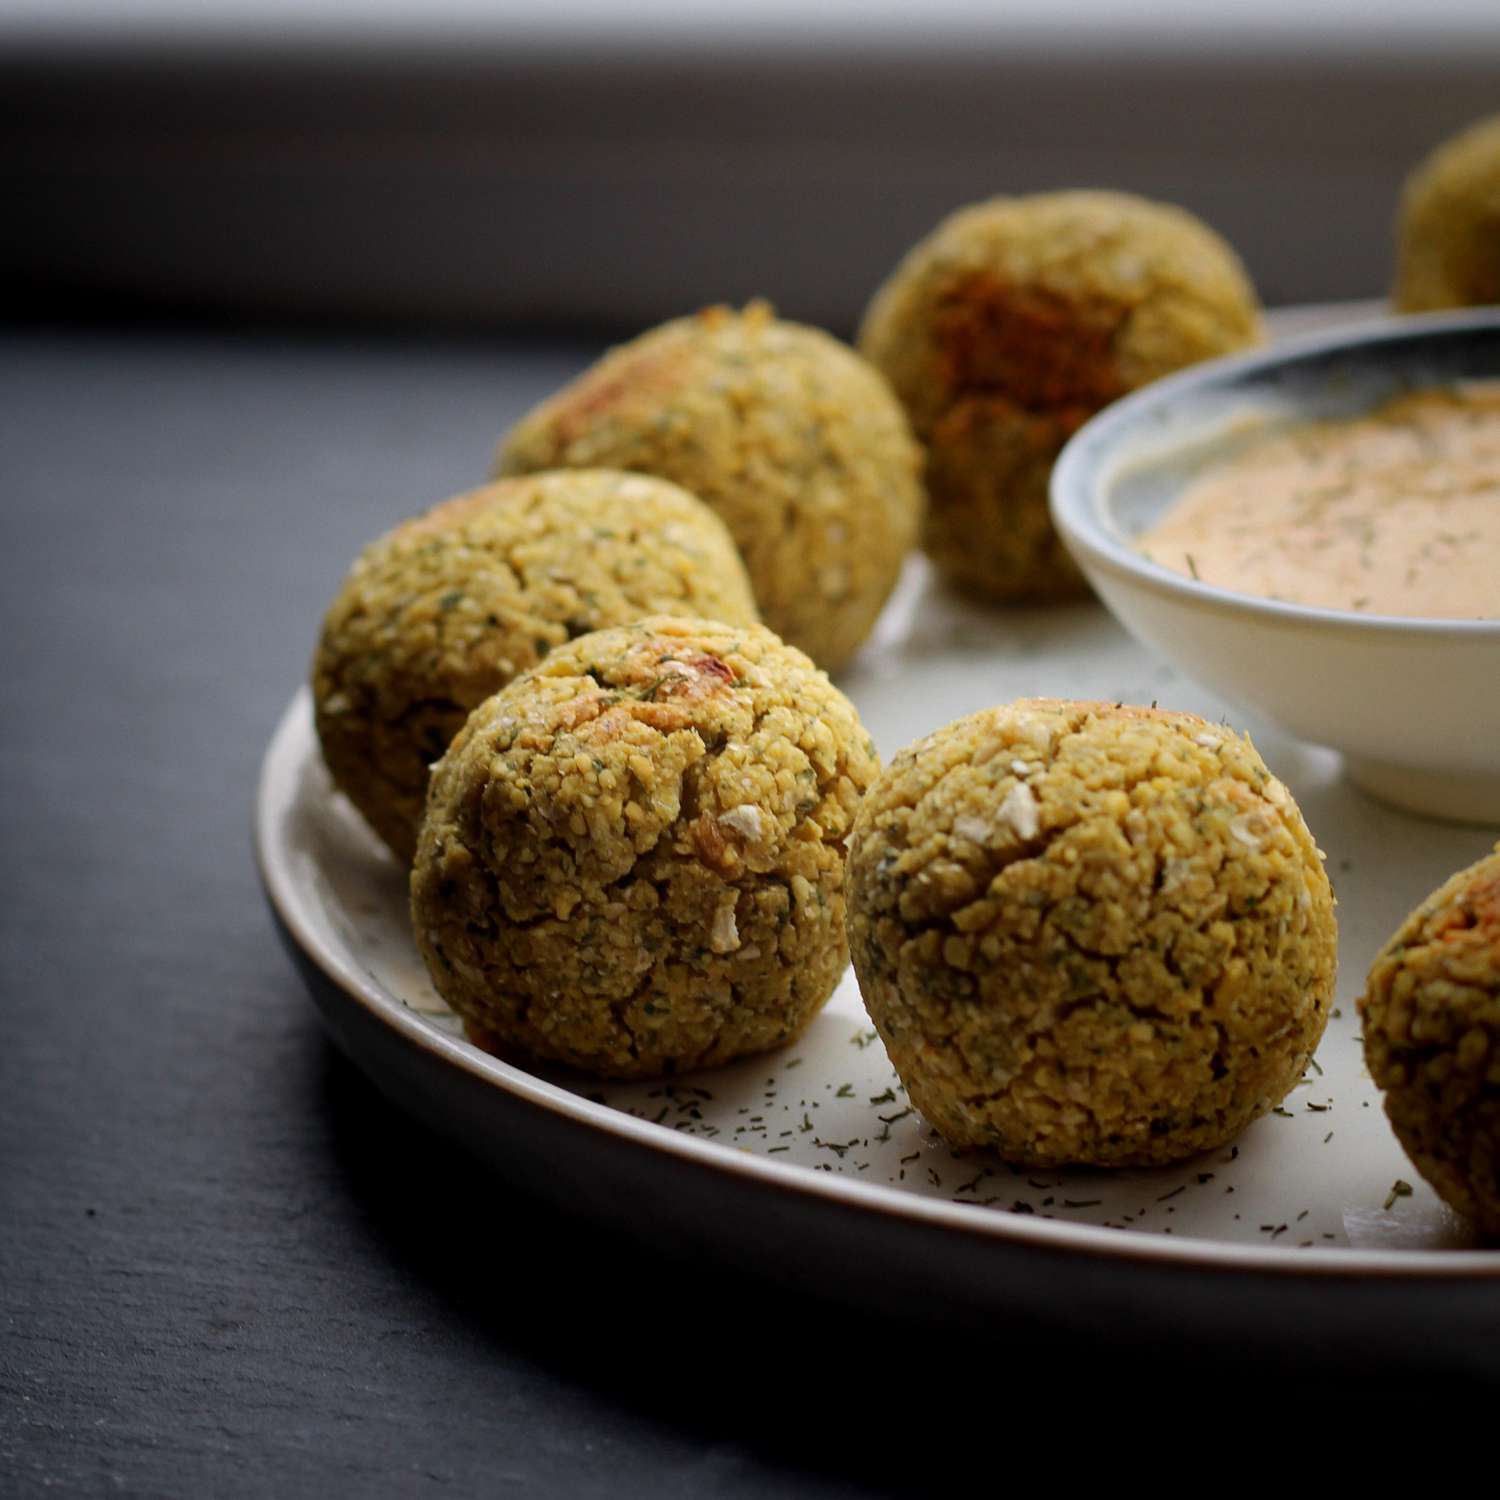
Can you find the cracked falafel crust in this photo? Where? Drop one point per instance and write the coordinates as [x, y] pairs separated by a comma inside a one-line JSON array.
[[446, 609], [1430, 1016], [788, 435], [632, 860], [1009, 326], [1090, 933], [1448, 230]]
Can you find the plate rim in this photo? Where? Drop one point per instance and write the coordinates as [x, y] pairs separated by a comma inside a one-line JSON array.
[[294, 739]]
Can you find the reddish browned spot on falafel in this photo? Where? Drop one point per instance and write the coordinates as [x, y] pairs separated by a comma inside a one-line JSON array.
[[1029, 343], [1480, 912], [711, 666], [651, 373]]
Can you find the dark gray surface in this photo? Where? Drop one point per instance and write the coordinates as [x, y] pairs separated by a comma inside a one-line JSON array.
[[226, 1265]]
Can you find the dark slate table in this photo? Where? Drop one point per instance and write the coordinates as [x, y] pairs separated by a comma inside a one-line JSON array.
[[227, 1265]]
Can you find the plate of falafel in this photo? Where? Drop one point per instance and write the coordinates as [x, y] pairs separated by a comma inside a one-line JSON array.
[[758, 655]]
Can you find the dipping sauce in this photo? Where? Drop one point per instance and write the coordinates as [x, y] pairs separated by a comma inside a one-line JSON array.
[[1393, 513]]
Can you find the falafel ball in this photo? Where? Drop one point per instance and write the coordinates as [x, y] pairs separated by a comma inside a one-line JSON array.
[[795, 442], [443, 611], [1009, 326], [1448, 232], [1431, 1022], [1090, 933], [632, 860]]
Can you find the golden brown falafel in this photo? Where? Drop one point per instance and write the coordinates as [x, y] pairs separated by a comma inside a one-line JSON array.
[[1431, 1022], [1009, 326], [632, 859], [1089, 933], [1448, 232]]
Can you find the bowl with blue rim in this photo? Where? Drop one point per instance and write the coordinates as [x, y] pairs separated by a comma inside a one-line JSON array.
[[1411, 702]]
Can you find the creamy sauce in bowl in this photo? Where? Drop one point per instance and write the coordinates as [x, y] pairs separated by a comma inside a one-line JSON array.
[[1393, 513]]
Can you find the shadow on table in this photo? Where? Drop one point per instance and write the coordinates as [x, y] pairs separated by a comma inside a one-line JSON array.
[[724, 1359]]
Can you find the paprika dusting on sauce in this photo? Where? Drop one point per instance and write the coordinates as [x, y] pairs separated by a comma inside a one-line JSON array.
[[1393, 513]]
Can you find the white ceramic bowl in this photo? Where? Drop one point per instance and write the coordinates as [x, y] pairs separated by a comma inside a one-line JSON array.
[[1413, 704]]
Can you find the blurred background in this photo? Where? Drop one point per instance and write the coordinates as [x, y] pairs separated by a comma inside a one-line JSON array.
[[603, 164]]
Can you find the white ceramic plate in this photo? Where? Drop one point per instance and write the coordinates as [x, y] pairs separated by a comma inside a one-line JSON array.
[[809, 1164]]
